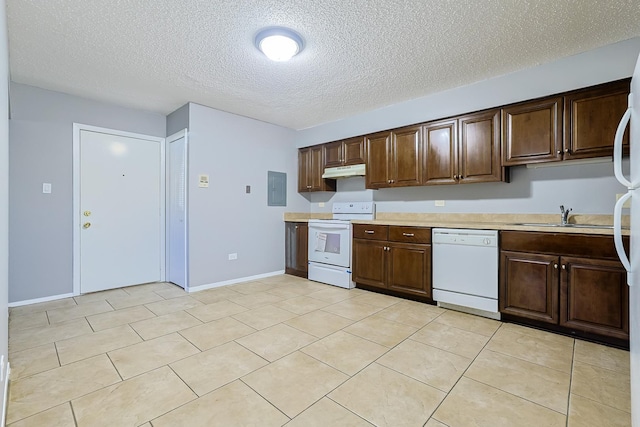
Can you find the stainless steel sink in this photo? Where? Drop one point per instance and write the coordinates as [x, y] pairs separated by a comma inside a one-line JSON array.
[[547, 224]]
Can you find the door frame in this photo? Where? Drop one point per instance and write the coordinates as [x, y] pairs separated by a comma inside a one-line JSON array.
[[184, 133], [77, 128]]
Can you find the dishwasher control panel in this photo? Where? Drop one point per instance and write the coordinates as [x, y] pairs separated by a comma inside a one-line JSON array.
[[465, 237]]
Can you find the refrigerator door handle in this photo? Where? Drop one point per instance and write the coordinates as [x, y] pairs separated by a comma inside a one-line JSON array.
[[617, 235], [617, 145]]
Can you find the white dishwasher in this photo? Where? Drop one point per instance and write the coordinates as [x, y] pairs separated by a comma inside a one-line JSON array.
[[465, 269]]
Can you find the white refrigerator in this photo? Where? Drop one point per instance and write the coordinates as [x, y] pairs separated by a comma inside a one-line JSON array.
[[631, 262]]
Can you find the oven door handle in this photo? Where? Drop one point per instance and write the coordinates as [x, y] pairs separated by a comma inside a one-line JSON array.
[[329, 227]]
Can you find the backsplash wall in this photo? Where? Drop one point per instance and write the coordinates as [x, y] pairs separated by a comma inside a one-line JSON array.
[[587, 188]]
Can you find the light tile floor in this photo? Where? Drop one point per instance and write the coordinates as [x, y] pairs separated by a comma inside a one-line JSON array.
[[284, 350]]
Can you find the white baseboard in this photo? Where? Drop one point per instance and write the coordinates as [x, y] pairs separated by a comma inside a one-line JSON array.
[[37, 300], [233, 281]]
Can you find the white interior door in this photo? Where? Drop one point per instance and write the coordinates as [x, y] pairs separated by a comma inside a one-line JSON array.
[[177, 259], [120, 210]]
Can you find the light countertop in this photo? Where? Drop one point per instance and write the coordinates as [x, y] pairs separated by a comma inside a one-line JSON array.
[[481, 221]]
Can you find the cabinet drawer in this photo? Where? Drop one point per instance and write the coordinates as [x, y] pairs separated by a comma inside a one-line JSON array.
[[373, 232], [410, 234]]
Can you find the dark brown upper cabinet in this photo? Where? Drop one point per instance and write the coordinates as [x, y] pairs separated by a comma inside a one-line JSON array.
[[591, 117], [394, 159], [378, 148], [532, 132], [441, 152], [344, 153], [479, 148], [310, 170], [464, 150]]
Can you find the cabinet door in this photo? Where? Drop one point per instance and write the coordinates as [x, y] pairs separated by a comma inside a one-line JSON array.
[[406, 158], [591, 119], [304, 157], [440, 153], [302, 247], [353, 151], [532, 132], [315, 169], [378, 152], [529, 286], [333, 154], [369, 262], [410, 268], [479, 147], [594, 297]]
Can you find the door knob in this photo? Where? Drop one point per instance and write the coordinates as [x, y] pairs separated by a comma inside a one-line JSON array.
[[86, 225]]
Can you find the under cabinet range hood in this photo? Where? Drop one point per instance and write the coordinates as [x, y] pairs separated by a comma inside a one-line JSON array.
[[344, 171]]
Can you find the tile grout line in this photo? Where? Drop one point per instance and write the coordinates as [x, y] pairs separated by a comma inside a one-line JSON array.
[[462, 375], [265, 399], [573, 359]]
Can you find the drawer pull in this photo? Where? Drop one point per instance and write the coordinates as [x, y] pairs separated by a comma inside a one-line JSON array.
[[408, 234], [369, 231]]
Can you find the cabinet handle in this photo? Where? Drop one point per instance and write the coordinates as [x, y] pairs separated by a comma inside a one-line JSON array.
[[455, 176], [555, 266], [559, 152], [408, 234], [564, 267], [296, 227], [369, 231], [566, 150]]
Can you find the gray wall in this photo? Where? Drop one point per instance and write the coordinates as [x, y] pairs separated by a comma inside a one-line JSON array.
[[4, 184], [178, 120], [40, 150], [586, 188], [236, 151]]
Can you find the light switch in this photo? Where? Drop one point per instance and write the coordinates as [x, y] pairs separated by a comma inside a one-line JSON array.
[[247, 189], [440, 203], [46, 188]]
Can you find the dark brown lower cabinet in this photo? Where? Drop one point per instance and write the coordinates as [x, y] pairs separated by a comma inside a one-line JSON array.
[[594, 296], [409, 268], [393, 258], [296, 248], [369, 262], [572, 283], [529, 286]]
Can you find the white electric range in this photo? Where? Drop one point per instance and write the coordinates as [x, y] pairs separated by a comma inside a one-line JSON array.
[[330, 243]]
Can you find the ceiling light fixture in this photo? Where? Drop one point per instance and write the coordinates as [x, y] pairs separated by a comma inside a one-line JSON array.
[[278, 43]]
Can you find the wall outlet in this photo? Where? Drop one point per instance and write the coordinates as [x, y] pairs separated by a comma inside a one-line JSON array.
[[321, 205], [627, 204], [233, 256], [440, 203]]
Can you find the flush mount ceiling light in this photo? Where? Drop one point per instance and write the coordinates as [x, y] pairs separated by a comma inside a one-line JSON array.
[[278, 43]]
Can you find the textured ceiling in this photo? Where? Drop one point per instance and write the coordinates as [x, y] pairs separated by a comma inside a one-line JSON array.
[[360, 54]]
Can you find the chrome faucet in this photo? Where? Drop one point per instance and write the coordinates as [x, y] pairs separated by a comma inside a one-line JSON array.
[[564, 220]]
